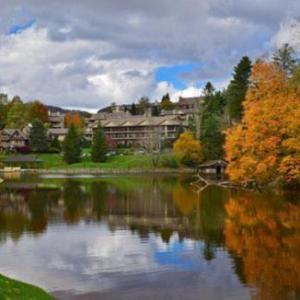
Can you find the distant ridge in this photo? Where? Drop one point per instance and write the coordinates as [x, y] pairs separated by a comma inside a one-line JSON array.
[[55, 109]]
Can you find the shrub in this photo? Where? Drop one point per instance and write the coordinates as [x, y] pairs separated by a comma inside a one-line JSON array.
[[169, 161]]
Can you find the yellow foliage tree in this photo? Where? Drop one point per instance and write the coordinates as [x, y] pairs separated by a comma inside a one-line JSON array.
[[265, 147], [187, 149]]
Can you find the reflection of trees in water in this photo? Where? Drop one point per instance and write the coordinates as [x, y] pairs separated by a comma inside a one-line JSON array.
[[74, 199], [264, 233]]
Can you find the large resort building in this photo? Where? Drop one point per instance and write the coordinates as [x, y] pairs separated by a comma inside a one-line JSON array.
[[126, 129], [120, 126]]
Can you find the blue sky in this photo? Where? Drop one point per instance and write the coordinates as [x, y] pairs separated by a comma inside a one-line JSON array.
[[19, 28], [97, 52], [172, 74]]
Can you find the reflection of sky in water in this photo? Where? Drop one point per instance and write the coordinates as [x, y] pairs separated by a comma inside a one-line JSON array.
[[89, 257]]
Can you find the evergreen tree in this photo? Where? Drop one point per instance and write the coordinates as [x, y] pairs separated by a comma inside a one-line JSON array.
[[38, 136], [71, 146], [284, 59], [133, 109], [212, 138], [143, 105], [238, 87], [166, 102], [155, 110], [209, 89], [55, 144], [99, 146]]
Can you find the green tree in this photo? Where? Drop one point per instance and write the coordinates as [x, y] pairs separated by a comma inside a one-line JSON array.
[[17, 114], [71, 146], [55, 144], [143, 105], [3, 109], [284, 59], [238, 87], [166, 102], [209, 89], [155, 110], [212, 137], [38, 136], [99, 148], [133, 109]]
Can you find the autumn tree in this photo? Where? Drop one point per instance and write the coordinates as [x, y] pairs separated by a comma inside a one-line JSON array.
[[187, 149], [265, 147], [71, 146], [37, 110], [237, 88], [75, 119], [38, 136]]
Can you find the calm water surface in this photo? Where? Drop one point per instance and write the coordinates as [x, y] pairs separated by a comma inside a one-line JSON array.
[[149, 238]]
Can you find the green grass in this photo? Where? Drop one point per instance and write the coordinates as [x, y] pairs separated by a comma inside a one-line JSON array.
[[12, 289], [55, 161]]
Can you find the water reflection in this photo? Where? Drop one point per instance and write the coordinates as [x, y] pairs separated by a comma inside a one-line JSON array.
[[150, 237]]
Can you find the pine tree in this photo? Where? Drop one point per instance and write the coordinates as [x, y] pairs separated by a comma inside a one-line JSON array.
[[55, 144], [238, 87], [38, 136], [166, 102], [71, 146], [99, 146], [133, 109], [284, 59]]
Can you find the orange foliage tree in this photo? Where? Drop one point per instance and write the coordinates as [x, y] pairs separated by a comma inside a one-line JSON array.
[[187, 149], [265, 146], [74, 118], [38, 110]]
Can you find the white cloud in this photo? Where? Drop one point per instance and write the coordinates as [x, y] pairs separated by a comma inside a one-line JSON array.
[[289, 32], [96, 52]]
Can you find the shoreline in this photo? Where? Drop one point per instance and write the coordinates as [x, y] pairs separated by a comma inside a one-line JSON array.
[[96, 171]]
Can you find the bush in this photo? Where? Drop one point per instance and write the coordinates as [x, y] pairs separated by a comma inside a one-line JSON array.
[[23, 149], [169, 161], [53, 150]]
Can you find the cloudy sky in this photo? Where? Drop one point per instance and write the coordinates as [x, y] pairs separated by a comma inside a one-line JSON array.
[[87, 54]]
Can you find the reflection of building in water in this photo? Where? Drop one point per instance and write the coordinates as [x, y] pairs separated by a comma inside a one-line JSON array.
[[153, 205]]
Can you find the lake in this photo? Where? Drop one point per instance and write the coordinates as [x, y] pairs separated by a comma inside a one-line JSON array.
[[143, 237]]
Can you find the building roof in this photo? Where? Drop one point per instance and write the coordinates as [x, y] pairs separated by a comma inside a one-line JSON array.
[[188, 100], [214, 164], [141, 121], [21, 159], [9, 132], [58, 131]]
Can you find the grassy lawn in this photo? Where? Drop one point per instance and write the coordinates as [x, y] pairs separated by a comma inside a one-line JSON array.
[[12, 289], [55, 161]]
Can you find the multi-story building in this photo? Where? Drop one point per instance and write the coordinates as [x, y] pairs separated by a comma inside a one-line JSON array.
[[56, 119], [135, 130]]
